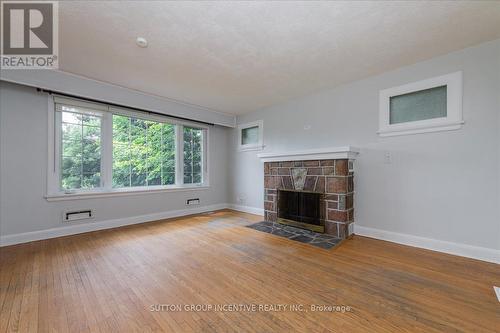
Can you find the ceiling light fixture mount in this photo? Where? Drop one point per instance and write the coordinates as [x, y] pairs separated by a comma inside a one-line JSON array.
[[141, 42]]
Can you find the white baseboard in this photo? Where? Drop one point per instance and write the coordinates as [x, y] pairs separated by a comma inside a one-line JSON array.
[[246, 209], [475, 252], [464, 250], [101, 225]]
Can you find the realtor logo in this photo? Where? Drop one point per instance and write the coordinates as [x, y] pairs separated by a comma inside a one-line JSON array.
[[29, 34]]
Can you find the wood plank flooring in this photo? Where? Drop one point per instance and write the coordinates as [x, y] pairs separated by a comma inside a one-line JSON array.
[[116, 280]]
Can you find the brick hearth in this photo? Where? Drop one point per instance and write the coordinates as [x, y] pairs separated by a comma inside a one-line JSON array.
[[330, 177]]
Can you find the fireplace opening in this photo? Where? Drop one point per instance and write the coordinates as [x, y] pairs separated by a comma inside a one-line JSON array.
[[300, 209]]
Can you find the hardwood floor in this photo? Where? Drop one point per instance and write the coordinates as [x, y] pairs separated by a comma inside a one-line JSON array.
[[111, 280]]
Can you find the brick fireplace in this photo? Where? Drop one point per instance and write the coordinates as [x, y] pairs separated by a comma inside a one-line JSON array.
[[333, 178]]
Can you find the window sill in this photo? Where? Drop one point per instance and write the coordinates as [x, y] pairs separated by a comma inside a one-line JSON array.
[[251, 148], [121, 192], [410, 129]]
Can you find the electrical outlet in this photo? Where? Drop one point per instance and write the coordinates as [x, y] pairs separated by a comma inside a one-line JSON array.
[[387, 157], [242, 197]]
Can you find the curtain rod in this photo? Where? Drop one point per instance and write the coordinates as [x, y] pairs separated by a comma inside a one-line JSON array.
[[123, 106]]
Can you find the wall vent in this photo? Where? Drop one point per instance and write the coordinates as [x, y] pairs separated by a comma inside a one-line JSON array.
[[195, 201], [77, 215]]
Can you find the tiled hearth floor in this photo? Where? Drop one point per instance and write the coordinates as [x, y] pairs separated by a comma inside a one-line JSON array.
[[297, 234]]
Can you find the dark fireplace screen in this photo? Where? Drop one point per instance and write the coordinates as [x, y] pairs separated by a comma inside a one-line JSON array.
[[299, 206]]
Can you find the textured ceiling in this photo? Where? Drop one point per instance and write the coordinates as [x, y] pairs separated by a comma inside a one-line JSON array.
[[237, 57]]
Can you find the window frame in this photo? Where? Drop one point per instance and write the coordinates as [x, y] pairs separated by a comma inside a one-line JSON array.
[[255, 146], [58, 148], [54, 191], [454, 114]]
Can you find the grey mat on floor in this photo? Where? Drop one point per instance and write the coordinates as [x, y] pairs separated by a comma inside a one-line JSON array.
[[323, 241]]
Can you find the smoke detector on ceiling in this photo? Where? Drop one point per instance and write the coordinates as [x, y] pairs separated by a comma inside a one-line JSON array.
[[141, 42]]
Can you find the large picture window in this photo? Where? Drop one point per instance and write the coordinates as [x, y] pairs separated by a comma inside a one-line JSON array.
[[193, 155], [80, 149], [98, 148], [143, 152]]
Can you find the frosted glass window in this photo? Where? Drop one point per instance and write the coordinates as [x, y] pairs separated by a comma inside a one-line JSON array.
[[418, 105], [250, 135]]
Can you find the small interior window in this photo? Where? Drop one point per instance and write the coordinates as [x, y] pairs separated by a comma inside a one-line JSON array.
[[250, 135], [418, 105], [429, 105]]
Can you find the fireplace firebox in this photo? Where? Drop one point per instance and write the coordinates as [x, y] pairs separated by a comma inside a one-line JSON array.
[[301, 209]]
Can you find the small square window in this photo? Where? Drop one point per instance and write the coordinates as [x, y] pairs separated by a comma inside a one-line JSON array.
[[425, 106], [250, 136]]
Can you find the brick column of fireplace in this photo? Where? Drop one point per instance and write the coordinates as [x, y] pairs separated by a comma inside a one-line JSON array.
[[330, 177]]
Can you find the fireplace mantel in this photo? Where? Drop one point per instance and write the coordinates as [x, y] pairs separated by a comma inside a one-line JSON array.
[[346, 152]]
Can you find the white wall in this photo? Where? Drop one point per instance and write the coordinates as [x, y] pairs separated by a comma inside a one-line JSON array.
[[442, 186], [23, 173], [73, 84]]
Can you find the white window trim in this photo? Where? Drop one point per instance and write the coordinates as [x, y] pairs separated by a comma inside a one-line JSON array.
[[256, 146], [54, 193], [452, 121], [125, 192]]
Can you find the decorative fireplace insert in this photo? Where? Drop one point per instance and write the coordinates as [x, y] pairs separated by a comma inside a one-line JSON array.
[[301, 209]]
